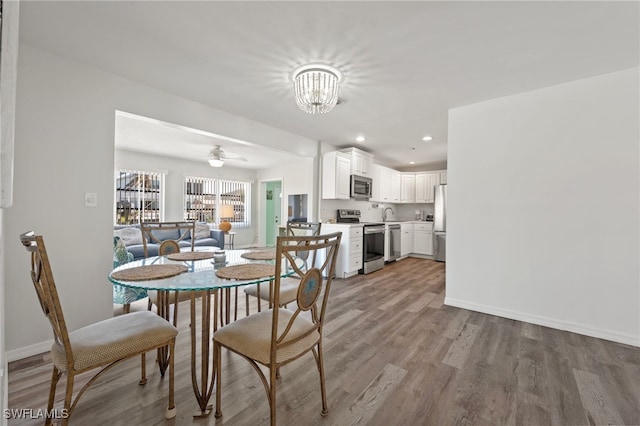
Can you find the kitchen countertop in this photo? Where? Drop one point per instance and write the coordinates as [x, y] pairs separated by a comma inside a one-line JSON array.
[[396, 222]]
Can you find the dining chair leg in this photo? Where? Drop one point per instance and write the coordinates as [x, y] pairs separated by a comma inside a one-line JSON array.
[[55, 376], [217, 352], [259, 299], [126, 308], [67, 398], [272, 393], [143, 369], [171, 409], [323, 390], [246, 301]]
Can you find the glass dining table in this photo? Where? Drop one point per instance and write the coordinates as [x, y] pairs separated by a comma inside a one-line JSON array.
[[199, 277]]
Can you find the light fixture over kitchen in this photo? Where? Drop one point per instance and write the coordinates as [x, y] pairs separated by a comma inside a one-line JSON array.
[[427, 138], [316, 87], [360, 138]]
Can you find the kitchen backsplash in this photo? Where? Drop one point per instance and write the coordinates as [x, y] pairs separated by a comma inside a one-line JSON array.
[[370, 213]]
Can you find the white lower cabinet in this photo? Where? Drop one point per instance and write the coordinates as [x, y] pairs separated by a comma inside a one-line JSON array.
[[406, 241], [423, 238], [350, 252]]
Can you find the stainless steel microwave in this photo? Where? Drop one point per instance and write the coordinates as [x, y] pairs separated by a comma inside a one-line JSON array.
[[361, 187]]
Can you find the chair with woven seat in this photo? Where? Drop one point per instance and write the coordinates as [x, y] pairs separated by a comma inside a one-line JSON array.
[[99, 345], [288, 286], [278, 336], [168, 235]]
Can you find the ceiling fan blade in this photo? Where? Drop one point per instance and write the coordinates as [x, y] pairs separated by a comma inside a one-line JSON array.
[[233, 157]]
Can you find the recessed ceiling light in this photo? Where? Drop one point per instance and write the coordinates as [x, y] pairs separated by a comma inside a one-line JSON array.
[[360, 139], [427, 138], [412, 162]]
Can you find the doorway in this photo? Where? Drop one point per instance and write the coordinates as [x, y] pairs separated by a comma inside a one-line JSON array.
[[271, 199]]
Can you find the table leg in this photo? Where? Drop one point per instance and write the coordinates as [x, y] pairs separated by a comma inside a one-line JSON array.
[[163, 307], [203, 387]]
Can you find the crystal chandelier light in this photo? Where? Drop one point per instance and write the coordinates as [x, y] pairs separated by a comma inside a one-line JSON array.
[[316, 88]]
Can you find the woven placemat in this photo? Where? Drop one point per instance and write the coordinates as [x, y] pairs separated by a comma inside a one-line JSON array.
[[260, 255], [148, 272], [248, 271], [191, 255]]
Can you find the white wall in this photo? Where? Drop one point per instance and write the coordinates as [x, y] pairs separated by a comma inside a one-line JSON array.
[[176, 170], [543, 205], [65, 116]]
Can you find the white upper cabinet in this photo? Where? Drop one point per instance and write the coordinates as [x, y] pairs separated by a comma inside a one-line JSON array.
[[336, 174], [361, 162], [396, 185], [408, 188], [380, 190], [425, 186], [443, 178], [386, 184]]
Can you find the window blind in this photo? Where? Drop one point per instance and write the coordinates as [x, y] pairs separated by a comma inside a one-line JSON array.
[[138, 196], [204, 197]]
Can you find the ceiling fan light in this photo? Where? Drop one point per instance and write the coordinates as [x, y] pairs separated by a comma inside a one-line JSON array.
[[316, 88], [213, 162]]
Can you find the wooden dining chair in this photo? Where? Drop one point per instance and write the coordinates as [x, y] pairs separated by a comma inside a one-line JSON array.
[[288, 286], [167, 235], [99, 345], [157, 232], [278, 336]]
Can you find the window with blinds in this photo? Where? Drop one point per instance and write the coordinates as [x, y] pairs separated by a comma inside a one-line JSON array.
[[138, 197], [213, 200]]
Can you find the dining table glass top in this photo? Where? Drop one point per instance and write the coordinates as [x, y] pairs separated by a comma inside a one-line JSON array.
[[200, 274]]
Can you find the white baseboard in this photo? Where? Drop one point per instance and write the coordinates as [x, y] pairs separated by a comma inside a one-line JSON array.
[[27, 351], [573, 327]]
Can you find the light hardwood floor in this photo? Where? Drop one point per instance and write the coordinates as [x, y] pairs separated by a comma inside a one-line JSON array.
[[394, 355]]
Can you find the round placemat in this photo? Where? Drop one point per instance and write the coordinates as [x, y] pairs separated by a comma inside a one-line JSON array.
[[148, 272], [191, 255], [248, 271], [260, 255]]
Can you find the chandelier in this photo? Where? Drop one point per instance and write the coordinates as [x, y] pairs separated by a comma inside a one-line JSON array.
[[316, 88]]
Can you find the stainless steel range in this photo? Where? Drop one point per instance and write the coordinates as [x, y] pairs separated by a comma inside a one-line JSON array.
[[373, 240]]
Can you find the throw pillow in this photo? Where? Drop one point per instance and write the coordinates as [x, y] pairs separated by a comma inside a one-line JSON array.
[[202, 231], [120, 254], [130, 236]]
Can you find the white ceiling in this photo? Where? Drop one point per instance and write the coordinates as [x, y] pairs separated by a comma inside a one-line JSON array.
[[404, 63]]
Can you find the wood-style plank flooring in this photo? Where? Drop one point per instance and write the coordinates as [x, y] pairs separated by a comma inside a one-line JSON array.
[[394, 355]]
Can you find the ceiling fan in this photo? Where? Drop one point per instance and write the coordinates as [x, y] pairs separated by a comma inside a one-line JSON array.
[[217, 156]]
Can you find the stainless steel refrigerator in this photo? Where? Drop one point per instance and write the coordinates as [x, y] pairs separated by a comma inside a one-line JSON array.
[[440, 223]]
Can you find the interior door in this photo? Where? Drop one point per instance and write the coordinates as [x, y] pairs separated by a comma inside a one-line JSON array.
[[273, 211]]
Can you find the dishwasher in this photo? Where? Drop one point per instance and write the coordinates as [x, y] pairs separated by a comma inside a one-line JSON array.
[[393, 241]]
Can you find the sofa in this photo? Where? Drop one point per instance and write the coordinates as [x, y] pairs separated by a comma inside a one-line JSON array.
[[131, 235]]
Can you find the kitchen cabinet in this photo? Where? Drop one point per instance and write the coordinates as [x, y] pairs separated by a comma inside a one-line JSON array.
[[349, 259], [396, 185], [443, 178], [386, 185], [425, 186], [361, 162], [336, 175], [423, 238], [379, 182], [406, 240], [408, 188]]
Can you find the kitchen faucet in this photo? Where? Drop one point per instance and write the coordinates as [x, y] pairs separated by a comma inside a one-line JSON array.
[[384, 213]]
